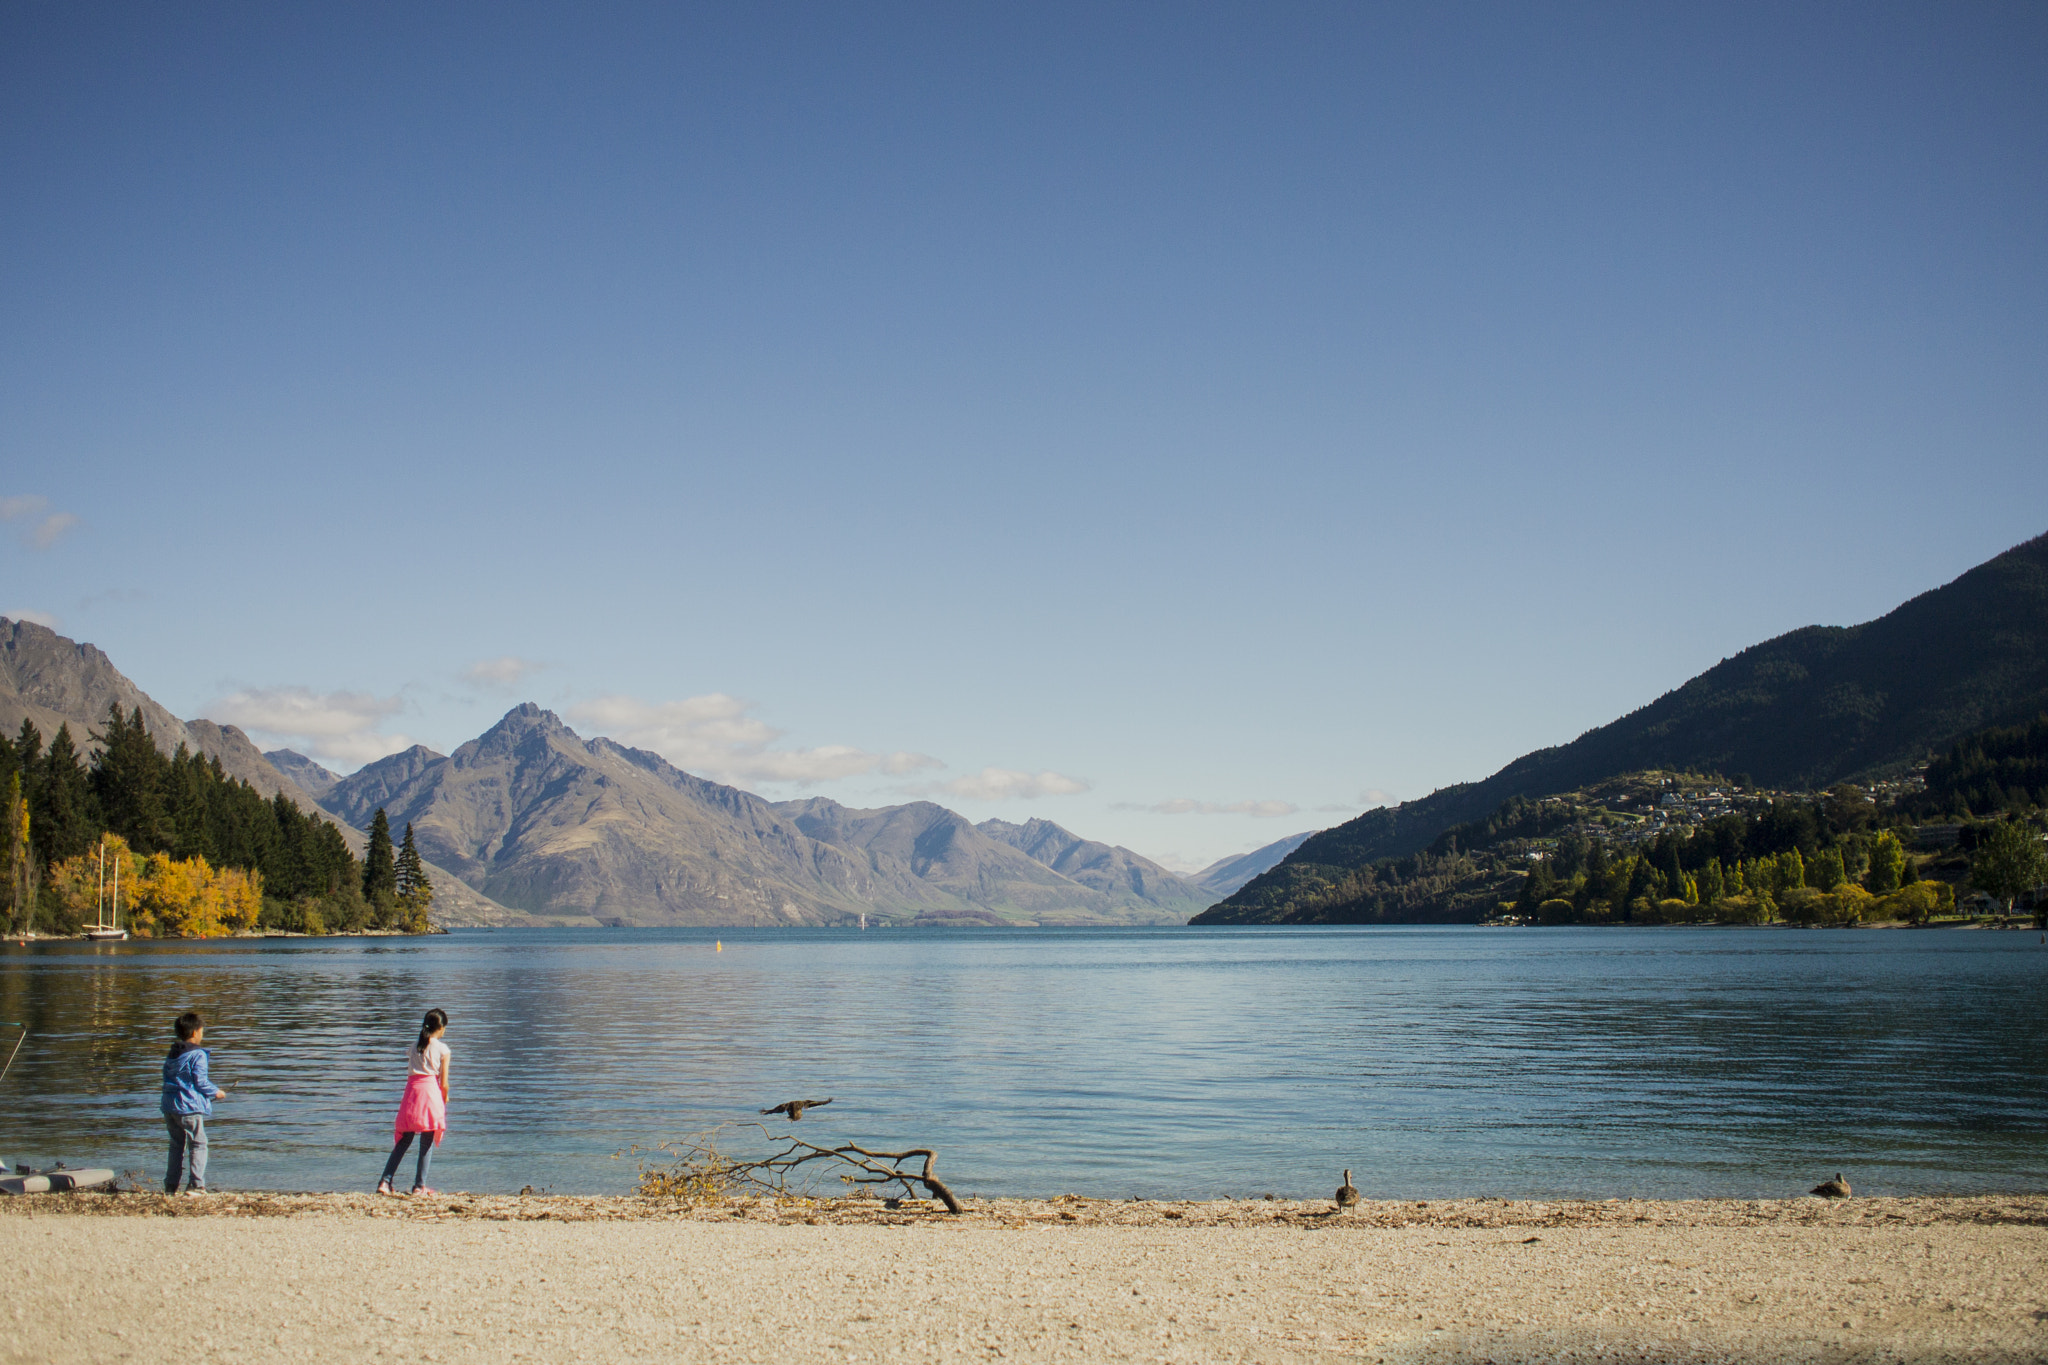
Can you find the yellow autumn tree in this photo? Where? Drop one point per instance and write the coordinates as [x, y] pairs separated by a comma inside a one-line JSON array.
[[190, 898]]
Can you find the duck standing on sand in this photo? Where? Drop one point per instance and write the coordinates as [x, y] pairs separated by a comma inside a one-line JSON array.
[[1347, 1195], [1837, 1188]]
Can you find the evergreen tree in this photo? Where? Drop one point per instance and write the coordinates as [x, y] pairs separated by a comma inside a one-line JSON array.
[[1709, 882], [20, 856], [63, 808], [380, 871], [1826, 871], [415, 892], [128, 778], [1674, 873]]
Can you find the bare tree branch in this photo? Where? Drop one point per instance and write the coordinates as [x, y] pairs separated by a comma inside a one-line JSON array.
[[699, 1170]]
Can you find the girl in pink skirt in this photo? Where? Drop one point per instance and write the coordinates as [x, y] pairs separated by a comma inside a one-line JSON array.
[[423, 1112]]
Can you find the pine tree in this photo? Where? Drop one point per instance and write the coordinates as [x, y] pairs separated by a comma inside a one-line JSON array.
[[415, 892], [65, 812], [20, 856], [380, 871], [128, 778]]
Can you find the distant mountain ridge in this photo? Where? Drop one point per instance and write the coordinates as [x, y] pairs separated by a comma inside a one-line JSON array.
[[1225, 875], [1806, 709], [541, 819], [1111, 869], [315, 779]]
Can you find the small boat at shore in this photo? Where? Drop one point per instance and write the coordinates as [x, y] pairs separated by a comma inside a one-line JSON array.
[[106, 925]]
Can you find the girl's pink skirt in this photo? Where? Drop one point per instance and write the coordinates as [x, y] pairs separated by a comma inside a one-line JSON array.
[[422, 1110]]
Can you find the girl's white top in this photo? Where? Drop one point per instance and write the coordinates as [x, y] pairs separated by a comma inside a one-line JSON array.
[[426, 1061]]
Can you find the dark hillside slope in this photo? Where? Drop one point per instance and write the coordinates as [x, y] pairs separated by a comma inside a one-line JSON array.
[[1809, 708]]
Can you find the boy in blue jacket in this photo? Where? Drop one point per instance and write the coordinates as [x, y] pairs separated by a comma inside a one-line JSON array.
[[188, 1099]]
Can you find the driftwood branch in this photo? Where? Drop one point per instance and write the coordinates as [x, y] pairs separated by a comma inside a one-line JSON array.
[[698, 1169]]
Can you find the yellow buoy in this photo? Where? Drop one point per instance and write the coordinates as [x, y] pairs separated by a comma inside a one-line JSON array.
[[718, 945]]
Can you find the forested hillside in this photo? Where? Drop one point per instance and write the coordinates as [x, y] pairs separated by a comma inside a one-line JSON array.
[[181, 809], [1805, 710], [1662, 848]]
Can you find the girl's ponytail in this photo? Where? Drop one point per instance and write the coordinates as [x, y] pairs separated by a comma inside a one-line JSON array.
[[436, 1019]]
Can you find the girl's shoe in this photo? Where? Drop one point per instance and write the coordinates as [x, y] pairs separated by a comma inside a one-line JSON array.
[[384, 1187]]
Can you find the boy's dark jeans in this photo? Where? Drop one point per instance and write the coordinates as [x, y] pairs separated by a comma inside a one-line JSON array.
[[188, 1139]]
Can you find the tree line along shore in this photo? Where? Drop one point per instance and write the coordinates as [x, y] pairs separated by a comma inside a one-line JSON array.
[[194, 852]]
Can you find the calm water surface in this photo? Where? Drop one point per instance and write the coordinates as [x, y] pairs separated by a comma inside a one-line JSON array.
[[1433, 1062]]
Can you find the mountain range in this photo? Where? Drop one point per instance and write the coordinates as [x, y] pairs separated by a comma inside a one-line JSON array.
[[530, 823], [1807, 709], [541, 819]]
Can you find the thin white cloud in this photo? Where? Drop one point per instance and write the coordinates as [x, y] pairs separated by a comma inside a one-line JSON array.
[[1181, 805], [339, 726], [50, 528], [1373, 796], [715, 736], [501, 674], [41, 618], [44, 527], [1009, 784]]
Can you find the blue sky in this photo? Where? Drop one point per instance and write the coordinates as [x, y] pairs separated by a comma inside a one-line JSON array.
[[1186, 423]]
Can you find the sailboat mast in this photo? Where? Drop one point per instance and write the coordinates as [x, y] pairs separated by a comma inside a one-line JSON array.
[[99, 905]]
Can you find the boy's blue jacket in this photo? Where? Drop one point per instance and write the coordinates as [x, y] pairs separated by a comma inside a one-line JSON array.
[[186, 1088]]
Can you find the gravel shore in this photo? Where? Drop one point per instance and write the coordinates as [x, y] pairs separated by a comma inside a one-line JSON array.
[[259, 1277]]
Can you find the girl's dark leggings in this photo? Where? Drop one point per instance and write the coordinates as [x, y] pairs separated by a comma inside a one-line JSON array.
[[419, 1175]]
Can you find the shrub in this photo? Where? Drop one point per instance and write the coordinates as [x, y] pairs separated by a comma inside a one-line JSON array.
[[1803, 905], [1849, 904], [1673, 910], [1915, 904], [1740, 910]]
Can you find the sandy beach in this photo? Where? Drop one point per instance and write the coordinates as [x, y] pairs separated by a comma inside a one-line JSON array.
[[503, 1278]]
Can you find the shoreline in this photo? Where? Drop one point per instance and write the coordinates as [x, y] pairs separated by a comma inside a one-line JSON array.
[[2015, 923], [467, 1278], [1069, 1210]]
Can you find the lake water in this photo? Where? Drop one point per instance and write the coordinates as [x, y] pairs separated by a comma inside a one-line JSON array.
[[1158, 1062]]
